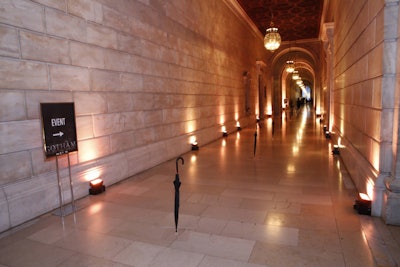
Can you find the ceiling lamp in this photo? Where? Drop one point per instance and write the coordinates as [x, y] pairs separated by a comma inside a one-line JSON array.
[[295, 75], [272, 39], [290, 66]]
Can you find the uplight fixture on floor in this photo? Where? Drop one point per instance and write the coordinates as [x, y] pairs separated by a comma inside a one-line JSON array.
[[238, 126], [224, 131], [96, 187], [327, 135], [363, 204], [335, 150], [195, 145]]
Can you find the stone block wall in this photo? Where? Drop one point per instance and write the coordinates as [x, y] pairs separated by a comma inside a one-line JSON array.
[[364, 69], [144, 76]]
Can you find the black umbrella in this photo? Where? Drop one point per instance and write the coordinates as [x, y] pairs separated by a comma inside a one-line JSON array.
[[255, 143], [273, 127], [177, 184]]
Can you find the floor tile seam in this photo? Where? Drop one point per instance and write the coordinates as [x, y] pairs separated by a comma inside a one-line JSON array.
[[344, 249], [159, 253], [229, 259], [223, 232], [212, 236], [378, 247], [302, 246], [59, 242], [225, 258]]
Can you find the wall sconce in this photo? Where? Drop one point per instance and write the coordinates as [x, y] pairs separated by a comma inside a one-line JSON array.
[[325, 128], [363, 204], [96, 187], [195, 145]]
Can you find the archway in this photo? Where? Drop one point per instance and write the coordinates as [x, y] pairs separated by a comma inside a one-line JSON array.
[[285, 89]]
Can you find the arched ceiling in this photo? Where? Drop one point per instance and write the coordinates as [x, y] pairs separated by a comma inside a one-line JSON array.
[[295, 19]]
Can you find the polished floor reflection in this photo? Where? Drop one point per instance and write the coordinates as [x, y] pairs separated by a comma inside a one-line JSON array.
[[271, 195]]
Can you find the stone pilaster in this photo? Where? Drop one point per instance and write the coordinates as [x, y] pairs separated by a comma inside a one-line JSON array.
[[327, 38], [391, 196]]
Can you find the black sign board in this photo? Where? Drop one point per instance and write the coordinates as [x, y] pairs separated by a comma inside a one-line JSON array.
[[59, 129]]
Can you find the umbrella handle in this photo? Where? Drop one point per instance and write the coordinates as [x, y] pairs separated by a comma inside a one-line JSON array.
[[183, 162]]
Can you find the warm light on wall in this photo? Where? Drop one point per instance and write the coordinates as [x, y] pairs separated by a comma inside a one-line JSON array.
[[86, 153], [96, 182], [92, 174], [375, 155], [370, 188], [222, 119], [238, 126], [224, 131], [284, 100], [269, 110], [190, 126], [364, 196], [192, 139]]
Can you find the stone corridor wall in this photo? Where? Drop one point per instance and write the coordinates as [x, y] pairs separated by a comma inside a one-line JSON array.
[[364, 68], [145, 76]]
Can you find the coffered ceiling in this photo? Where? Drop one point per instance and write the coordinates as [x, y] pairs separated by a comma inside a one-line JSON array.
[[295, 19]]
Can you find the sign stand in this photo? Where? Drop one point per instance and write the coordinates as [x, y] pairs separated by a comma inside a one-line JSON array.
[[62, 212], [60, 193], [71, 188], [59, 138]]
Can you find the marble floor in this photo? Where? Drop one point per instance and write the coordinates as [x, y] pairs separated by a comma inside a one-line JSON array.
[[288, 204]]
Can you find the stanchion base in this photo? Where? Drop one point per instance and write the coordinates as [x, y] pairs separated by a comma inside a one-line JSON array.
[[66, 210]]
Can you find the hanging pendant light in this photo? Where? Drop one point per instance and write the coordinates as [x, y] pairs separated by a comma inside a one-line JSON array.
[[295, 75], [290, 66], [272, 39]]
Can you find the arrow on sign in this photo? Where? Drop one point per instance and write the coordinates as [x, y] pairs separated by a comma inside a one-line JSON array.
[[58, 134]]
